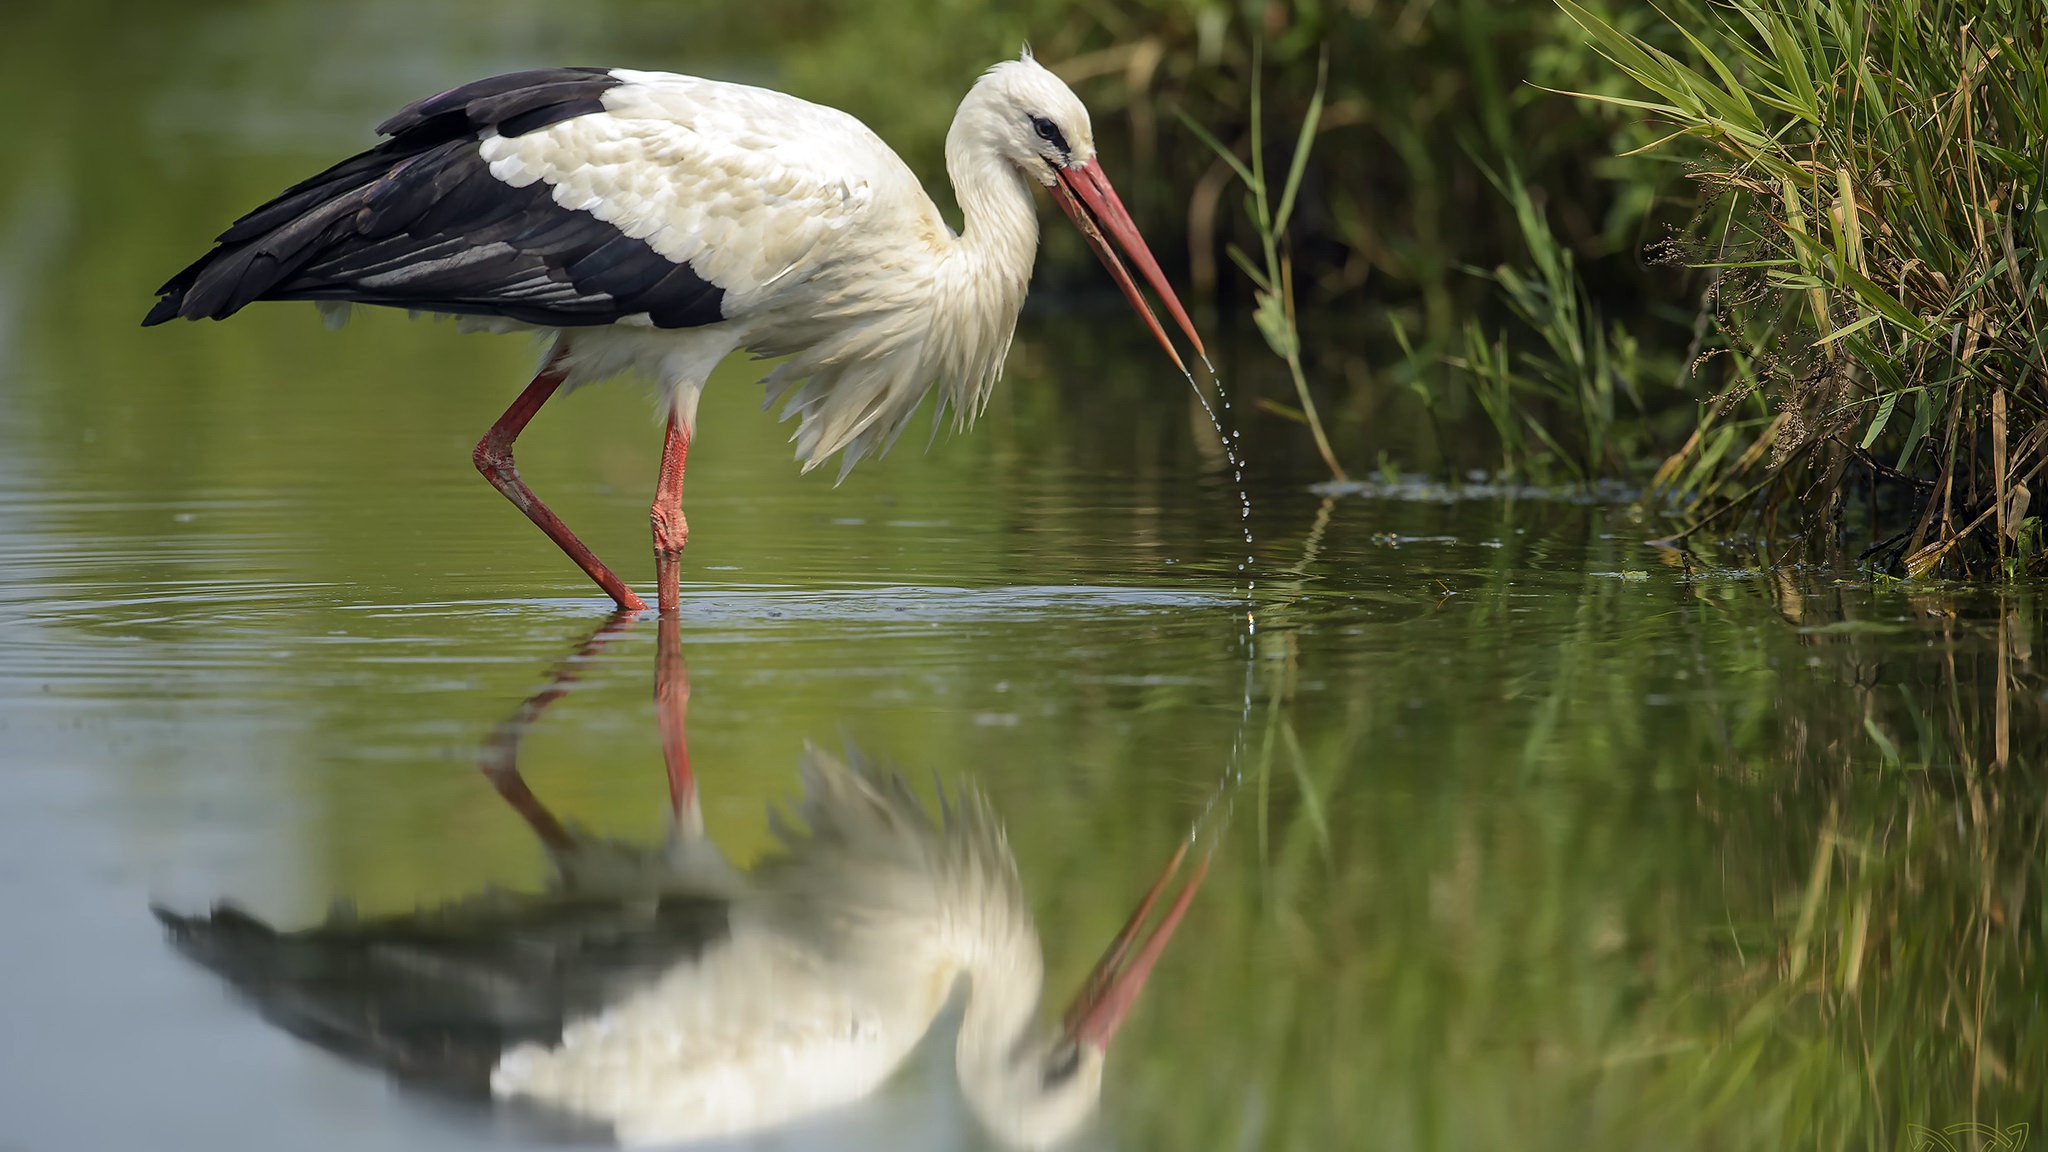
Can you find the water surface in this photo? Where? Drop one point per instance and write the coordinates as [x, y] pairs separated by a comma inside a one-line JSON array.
[[1526, 833]]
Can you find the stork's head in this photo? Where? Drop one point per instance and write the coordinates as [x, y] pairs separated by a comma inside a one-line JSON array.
[[1031, 119], [1040, 125], [1047, 1091], [1033, 1092]]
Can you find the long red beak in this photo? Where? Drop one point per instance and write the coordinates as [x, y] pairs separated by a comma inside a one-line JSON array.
[[1093, 206], [1099, 1010]]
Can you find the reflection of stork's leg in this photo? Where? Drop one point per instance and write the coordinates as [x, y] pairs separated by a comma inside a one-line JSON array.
[[672, 700], [499, 760]]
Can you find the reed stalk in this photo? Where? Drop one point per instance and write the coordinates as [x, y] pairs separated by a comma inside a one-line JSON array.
[[1273, 275]]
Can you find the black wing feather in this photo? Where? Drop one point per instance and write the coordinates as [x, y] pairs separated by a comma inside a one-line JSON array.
[[514, 95], [419, 222], [437, 996]]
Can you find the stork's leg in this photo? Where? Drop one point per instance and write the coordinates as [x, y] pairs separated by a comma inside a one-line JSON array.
[[512, 786], [671, 531], [672, 701], [499, 760], [493, 458]]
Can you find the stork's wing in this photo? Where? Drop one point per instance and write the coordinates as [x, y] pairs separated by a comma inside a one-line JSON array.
[[562, 197], [439, 995]]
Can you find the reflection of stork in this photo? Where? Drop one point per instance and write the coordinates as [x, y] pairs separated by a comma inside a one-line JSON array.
[[662, 992]]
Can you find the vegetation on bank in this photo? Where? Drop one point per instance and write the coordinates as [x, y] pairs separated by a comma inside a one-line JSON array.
[[1775, 259], [1871, 216], [1480, 925], [1778, 262]]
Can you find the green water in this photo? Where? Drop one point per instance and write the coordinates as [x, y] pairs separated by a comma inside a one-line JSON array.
[[1526, 834]]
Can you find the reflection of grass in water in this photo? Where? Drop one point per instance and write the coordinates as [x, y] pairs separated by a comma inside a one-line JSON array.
[[1507, 943], [1529, 958]]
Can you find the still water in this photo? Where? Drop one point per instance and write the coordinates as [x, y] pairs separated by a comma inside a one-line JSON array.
[[1521, 833]]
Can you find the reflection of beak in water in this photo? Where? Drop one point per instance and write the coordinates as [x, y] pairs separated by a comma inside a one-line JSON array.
[[660, 991]]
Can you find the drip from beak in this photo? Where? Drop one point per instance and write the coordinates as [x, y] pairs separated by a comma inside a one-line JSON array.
[[1099, 1010], [1084, 192]]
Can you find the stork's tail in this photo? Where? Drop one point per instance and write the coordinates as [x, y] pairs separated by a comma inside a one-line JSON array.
[[270, 245], [437, 996], [339, 994]]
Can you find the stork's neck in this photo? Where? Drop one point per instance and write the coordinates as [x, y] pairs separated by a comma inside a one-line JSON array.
[[977, 287], [1002, 1007], [998, 1026], [999, 223], [985, 934]]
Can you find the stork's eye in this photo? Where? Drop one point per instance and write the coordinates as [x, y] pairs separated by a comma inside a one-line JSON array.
[[1050, 133], [1062, 1064]]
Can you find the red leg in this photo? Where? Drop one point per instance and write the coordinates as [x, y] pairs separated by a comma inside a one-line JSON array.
[[512, 786], [671, 531], [493, 458], [672, 700], [500, 759]]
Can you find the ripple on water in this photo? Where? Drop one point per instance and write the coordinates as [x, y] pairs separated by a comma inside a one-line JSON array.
[[1414, 489]]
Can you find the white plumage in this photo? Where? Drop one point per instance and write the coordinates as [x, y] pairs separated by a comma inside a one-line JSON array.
[[658, 223], [664, 994], [840, 952], [838, 956]]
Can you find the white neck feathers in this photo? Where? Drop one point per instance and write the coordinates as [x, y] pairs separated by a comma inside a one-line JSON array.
[[987, 270], [951, 322]]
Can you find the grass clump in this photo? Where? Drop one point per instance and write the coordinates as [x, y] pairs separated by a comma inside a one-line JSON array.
[[1873, 181], [1560, 402]]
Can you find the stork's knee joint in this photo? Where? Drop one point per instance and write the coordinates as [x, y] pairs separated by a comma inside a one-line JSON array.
[[492, 458]]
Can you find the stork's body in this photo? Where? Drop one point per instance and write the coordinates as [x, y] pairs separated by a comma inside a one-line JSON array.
[[665, 996], [834, 958], [659, 223], [668, 996]]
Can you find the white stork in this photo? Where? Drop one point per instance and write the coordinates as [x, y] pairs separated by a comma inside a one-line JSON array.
[[660, 993], [659, 222]]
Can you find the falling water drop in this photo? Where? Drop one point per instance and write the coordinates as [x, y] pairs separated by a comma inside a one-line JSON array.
[[1217, 810], [1229, 437]]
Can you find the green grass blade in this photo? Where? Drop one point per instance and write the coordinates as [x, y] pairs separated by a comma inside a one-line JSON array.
[[1216, 146], [1302, 144]]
